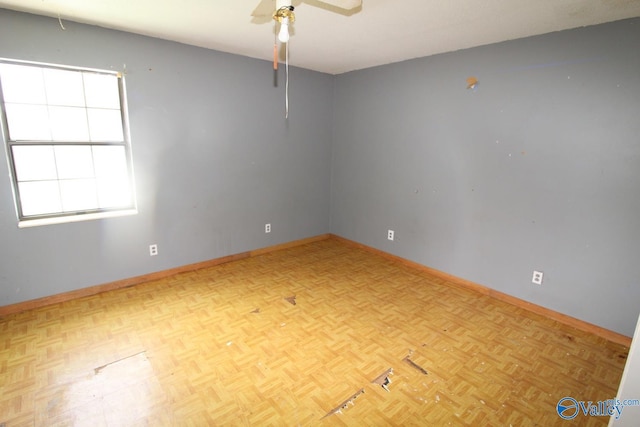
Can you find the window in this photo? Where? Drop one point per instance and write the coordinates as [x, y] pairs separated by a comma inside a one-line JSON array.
[[67, 142]]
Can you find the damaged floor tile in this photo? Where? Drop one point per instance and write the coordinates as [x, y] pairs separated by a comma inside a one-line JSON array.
[[345, 404], [383, 379], [414, 364]]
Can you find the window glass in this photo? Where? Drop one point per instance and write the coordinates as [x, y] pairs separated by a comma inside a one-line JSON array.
[[64, 88], [74, 161], [101, 91], [23, 85], [68, 123], [28, 122], [105, 125], [78, 194], [34, 162], [67, 142], [39, 197]]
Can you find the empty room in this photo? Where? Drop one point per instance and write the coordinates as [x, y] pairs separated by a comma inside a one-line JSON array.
[[305, 212]]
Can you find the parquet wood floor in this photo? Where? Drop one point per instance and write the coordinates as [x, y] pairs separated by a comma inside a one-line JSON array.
[[226, 346]]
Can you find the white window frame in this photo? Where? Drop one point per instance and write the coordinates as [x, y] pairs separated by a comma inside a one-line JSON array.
[[70, 214]]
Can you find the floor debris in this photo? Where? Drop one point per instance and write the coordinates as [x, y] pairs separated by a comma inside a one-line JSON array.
[[257, 310], [291, 300]]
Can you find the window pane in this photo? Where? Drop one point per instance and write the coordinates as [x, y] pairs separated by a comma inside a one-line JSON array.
[[110, 161], [114, 188], [34, 162], [114, 192], [39, 197], [69, 124], [78, 194], [28, 122], [105, 125], [64, 87], [74, 161], [22, 84], [101, 90]]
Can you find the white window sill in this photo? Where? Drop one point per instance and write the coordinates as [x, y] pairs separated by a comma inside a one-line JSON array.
[[75, 218]]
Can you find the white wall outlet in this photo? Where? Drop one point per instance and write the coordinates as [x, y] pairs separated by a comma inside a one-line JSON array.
[[537, 277], [267, 228], [153, 250], [390, 234]]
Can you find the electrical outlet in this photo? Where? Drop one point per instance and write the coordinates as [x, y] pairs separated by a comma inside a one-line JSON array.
[[537, 277], [390, 234], [267, 228], [153, 250]]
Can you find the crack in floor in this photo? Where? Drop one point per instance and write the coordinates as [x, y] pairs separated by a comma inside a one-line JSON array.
[[414, 364], [350, 401], [100, 368]]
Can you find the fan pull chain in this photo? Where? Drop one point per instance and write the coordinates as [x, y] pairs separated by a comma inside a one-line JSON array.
[[275, 56], [275, 51], [286, 90]]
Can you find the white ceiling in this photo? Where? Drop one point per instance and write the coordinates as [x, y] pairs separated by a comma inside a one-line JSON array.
[[381, 32]]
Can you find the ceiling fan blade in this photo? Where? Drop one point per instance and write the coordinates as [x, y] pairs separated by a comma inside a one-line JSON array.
[[264, 8], [346, 5], [341, 7]]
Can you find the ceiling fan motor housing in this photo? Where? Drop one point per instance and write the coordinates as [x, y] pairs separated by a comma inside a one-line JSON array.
[[285, 11]]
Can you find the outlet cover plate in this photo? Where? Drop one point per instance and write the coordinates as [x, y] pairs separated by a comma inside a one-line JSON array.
[[537, 277]]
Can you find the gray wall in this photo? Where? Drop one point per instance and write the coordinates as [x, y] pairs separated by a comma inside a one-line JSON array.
[[214, 160], [538, 168]]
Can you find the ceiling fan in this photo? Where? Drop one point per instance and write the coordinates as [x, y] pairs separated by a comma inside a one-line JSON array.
[[282, 11], [263, 13]]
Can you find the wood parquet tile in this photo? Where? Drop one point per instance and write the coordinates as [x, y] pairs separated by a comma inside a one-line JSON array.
[[223, 346]]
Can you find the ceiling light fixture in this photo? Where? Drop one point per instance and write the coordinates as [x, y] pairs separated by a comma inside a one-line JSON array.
[[285, 16]]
